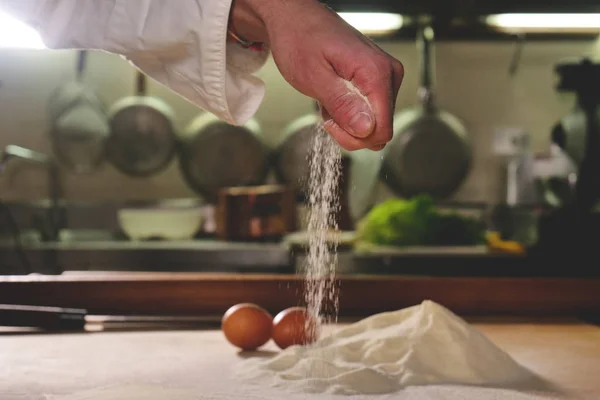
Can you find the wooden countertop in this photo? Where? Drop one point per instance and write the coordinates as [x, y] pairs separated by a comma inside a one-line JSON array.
[[565, 352]]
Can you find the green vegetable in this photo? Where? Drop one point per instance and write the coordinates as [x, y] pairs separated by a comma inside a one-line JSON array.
[[452, 229], [417, 222]]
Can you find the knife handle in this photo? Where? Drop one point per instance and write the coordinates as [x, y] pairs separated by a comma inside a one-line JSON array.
[[46, 318]]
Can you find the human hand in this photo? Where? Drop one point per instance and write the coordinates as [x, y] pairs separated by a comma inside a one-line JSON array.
[[323, 57]]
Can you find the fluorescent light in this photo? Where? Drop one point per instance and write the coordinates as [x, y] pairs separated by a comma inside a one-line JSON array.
[[373, 23], [18, 35], [545, 22]]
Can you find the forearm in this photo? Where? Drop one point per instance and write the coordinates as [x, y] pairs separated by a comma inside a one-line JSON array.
[[246, 20], [259, 20]]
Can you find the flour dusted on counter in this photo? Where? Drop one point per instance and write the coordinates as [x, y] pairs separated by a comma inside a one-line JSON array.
[[131, 392], [422, 345]]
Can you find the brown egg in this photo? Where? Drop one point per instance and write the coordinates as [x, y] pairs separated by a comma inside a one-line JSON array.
[[247, 326], [294, 326]]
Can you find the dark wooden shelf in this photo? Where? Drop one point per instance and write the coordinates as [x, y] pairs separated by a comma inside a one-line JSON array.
[[211, 294]]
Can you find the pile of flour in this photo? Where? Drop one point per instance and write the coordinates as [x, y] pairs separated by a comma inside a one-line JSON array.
[[421, 345]]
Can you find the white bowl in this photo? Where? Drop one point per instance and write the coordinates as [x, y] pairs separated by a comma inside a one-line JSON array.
[[167, 220]]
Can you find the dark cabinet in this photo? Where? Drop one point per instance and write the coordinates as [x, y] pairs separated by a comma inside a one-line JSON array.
[[463, 19], [466, 7]]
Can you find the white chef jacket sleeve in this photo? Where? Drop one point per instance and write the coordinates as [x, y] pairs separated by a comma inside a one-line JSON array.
[[180, 43]]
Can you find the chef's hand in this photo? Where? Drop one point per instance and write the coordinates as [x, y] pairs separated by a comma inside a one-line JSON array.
[[323, 57]]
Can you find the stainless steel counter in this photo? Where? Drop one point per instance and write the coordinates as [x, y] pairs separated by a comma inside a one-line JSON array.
[[194, 256], [215, 256], [92, 243]]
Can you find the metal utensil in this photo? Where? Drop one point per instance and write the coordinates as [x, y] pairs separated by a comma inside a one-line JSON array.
[[79, 128], [74, 319], [430, 152], [56, 219], [142, 140], [214, 155]]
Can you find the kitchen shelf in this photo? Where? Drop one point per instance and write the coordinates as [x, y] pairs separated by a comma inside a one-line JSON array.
[[189, 256], [256, 258]]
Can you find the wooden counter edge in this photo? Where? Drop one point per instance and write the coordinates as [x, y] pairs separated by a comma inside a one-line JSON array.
[[212, 294]]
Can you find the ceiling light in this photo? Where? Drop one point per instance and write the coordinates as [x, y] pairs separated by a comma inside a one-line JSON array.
[[18, 35], [374, 24], [545, 22]]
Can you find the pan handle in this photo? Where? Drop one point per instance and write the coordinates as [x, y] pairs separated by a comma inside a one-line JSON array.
[[47, 318], [140, 84], [425, 40], [81, 63]]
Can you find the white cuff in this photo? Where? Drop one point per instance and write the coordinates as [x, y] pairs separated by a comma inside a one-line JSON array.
[[200, 66], [182, 44]]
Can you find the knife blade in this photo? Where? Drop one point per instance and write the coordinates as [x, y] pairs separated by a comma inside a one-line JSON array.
[[75, 319]]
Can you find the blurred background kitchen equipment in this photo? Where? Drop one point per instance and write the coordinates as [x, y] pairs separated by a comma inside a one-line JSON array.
[[214, 155], [569, 133], [556, 176], [79, 124], [430, 152], [360, 169], [292, 153], [574, 228], [260, 213], [534, 182], [174, 219], [577, 133], [513, 146], [49, 227], [142, 140]]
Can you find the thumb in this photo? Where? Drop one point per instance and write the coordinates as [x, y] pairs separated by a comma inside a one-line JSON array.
[[347, 107]]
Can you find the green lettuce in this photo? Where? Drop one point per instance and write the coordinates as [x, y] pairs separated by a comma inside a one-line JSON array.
[[417, 222]]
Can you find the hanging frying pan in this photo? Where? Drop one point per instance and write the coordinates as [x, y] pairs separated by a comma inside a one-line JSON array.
[[214, 155], [142, 141], [79, 124], [430, 152]]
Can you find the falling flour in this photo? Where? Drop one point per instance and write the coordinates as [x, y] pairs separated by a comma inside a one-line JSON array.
[[323, 202], [320, 294], [421, 345]]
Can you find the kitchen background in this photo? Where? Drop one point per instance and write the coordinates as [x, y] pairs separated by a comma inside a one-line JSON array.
[[473, 82], [88, 227]]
